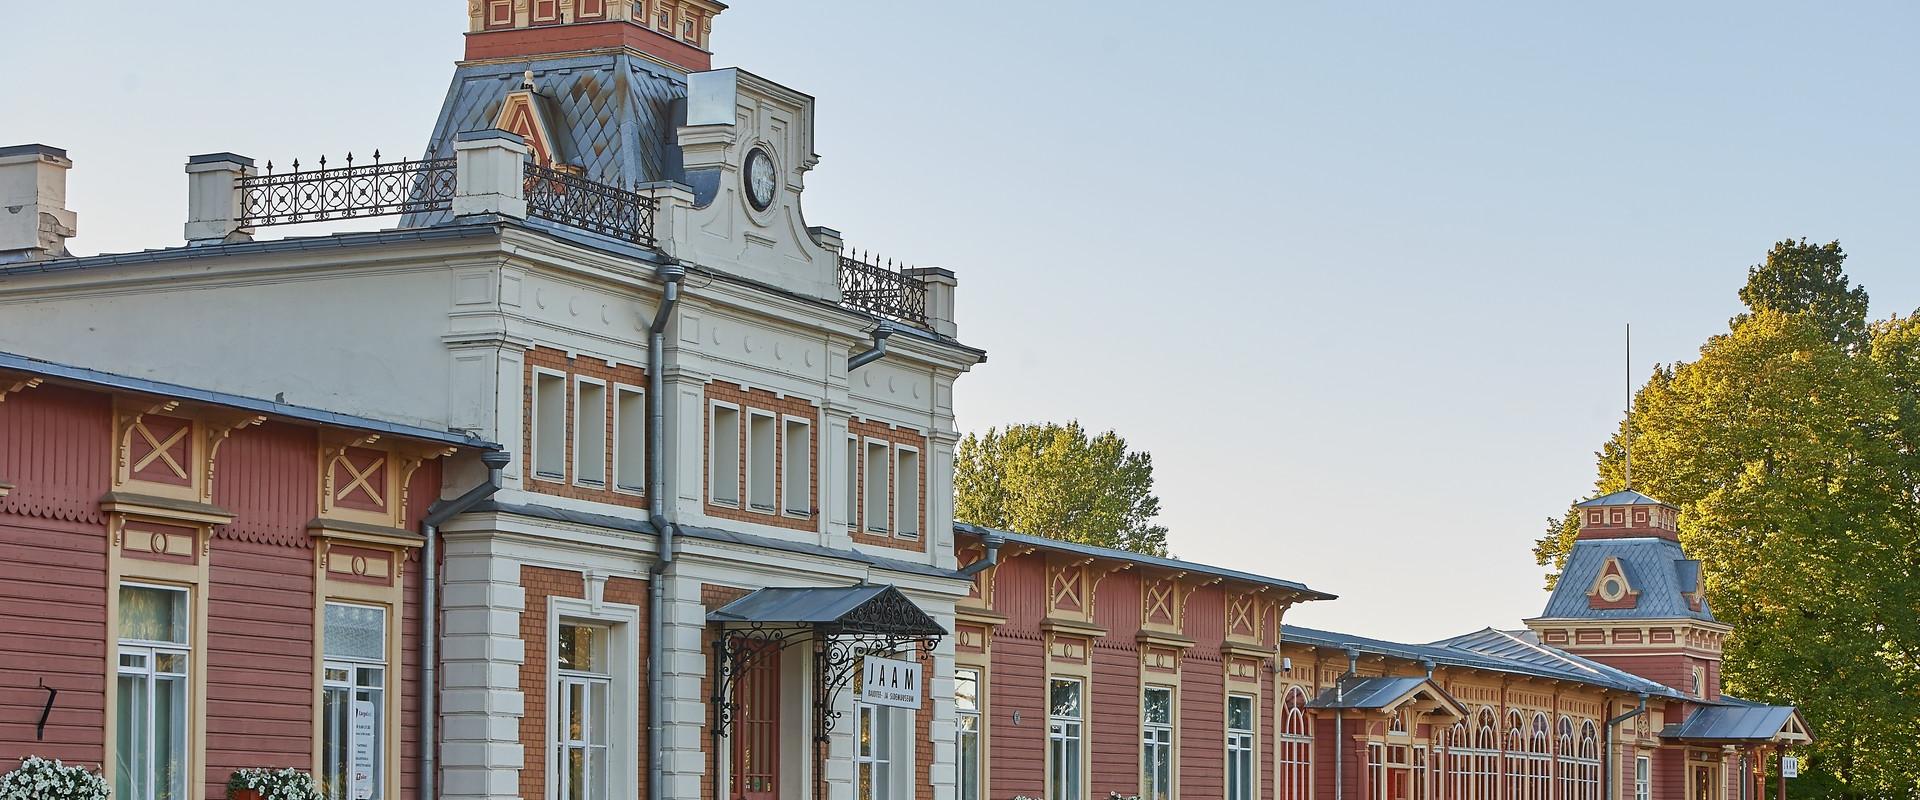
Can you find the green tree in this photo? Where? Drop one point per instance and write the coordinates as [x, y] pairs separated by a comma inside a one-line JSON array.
[[1056, 481], [1789, 447]]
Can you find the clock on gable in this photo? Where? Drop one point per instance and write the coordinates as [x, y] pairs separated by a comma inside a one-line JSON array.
[[760, 180]]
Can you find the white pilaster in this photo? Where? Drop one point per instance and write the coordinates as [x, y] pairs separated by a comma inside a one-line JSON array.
[[490, 174], [481, 703]]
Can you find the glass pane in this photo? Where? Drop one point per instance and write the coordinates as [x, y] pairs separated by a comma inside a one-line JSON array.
[[866, 780], [597, 716], [150, 614], [170, 738], [131, 754], [340, 675], [597, 774], [356, 632], [583, 648], [576, 712], [1240, 713], [1163, 775], [1066, 699], [966, 690], [865, 723], [1159, 706], [335, 708], [576, 774], [371, 678], [969, 766]]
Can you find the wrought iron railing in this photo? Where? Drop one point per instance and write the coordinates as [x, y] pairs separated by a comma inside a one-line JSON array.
[[366, 190], [882, 289], [590, 205]]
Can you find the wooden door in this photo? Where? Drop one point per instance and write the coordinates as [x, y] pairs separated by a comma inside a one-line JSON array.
[[756, 729], [1704, 783]]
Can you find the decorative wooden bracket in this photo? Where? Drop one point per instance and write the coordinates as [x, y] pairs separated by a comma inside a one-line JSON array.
[[18, 386], [124, 431], [218, 428]]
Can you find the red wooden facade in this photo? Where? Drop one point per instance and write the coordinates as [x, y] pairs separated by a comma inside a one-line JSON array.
[[257, 522]]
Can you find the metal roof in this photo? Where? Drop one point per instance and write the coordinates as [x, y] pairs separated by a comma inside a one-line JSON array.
[[863, 609], [1367, 693], [1627, 497], [1060, 545], [108, 380], [1741, 722], [1658, 569], [1489, 649]]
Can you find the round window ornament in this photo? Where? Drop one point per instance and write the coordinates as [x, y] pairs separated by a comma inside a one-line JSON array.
[[761, 182], [1612, 588]]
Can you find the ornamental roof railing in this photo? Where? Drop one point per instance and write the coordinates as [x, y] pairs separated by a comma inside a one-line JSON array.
[[354, 191], [883, 289]]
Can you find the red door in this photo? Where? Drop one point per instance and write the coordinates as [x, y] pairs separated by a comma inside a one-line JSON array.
[[756, 729]]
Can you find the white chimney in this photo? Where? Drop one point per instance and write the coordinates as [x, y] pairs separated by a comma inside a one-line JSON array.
[[34, 221]]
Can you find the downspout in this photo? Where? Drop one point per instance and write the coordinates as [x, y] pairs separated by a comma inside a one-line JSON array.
[[1606, 766], [1339, 724], [672, 274], [437, 515], [877, 352], [993, 541]]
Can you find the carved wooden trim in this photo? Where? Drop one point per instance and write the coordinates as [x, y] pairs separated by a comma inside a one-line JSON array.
[[17, 386]]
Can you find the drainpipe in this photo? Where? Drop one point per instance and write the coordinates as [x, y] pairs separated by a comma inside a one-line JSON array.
[[437, 515], [1339, 724], [993, 541], [1606, 768], [672, 274], [878, 351]]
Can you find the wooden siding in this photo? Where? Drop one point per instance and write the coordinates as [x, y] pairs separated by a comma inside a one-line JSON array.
[[259, 659]]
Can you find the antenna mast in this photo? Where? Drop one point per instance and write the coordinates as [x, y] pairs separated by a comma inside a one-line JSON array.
[[1629, 406]]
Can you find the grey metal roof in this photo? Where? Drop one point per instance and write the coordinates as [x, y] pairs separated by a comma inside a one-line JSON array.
[[1137, 558], [614, 114], [108, 380], [866, 608], [1656, 568], [1732, 723], [1495, 651], [1367, 693], [1628, 497]]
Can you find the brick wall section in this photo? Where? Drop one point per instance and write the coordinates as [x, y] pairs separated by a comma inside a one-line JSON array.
[[858, 523], [592, 368], [782, 407], [539, 585], [923, 733]]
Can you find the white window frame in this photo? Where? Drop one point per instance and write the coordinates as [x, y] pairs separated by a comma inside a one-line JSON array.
[[562, 736], [148, 671], [851, 497], [622, 482], [751, 451], [1244, 742], [580, 438], [1155, 736], [796, 484], [539, 439], [623, 703], [1061, 731], [353, 687], [906, 506], [873, 748], [884, 509], [1642, 778], [713, 455], [977, 716]]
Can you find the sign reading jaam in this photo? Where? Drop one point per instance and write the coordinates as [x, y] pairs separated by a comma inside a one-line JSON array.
[[891, 683]]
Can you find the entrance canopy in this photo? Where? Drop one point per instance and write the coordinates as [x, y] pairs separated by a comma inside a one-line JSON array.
[[880, 611], [1389, 695], [1740, 723]]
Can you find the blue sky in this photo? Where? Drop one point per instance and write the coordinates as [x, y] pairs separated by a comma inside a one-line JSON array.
[[1355, 273]]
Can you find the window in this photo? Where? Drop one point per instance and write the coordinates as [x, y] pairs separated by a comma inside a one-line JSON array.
[[723, 454], [1377, 770], [1239, 747], [907, 498], [1156, 744], [353, 702], [850, 502], [584, 681], [874, 759], [1642, 778], [150, 750], [1296, 747], [630, 440], [550, 425], [761, 454], [876, 489], [590, 432], [968, 759], [1063, 739], [797, 468]]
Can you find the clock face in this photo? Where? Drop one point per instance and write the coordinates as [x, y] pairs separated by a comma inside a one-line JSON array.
[[761, 182]]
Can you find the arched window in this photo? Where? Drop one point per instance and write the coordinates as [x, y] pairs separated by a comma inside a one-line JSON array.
[[1585, 765], [1295, 747], [1566, 735]]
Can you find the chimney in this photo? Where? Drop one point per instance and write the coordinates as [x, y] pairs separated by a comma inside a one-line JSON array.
[[34, 221]]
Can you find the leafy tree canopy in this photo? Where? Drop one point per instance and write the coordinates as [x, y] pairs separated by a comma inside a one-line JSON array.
[[1054, 480], [1809, 279]]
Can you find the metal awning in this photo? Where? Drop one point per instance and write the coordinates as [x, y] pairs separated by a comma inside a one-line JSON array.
[[865, 610], [1740, 724], [1389, 694]]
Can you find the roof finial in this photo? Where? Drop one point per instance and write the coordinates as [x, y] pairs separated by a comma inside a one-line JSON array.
[[527, 82], [1629, 406]]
